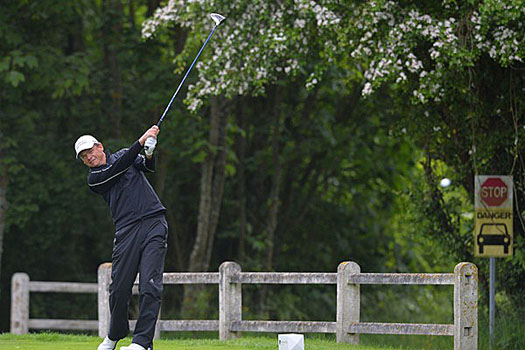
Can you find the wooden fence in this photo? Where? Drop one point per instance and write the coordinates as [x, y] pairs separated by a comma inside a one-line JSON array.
[[347, 326], [21, 286]]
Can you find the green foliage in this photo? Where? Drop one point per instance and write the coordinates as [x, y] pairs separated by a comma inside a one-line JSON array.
[[453, 69], [508, 325]]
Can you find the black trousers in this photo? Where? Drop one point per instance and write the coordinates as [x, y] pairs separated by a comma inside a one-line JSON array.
[[139, 247]]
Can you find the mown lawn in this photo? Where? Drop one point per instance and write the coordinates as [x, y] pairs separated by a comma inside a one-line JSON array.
[[54, 341]]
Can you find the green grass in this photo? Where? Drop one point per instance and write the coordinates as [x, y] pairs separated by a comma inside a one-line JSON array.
[[55, 341]]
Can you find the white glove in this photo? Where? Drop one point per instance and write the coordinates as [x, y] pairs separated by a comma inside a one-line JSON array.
[[149, 145]]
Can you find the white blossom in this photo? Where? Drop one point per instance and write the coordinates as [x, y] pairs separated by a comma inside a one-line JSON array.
[[253, 51], [367, 89], [299, 23]]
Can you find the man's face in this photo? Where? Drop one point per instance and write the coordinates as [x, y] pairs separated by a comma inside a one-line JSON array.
[[94, 156]]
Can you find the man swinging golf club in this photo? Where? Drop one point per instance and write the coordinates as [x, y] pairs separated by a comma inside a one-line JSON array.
[[140, 241], [141, 228]]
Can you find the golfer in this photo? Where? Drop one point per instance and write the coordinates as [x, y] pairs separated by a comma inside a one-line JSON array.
[[140, 241]]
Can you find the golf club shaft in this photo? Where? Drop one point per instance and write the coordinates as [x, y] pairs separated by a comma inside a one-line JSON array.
[[185, 76]]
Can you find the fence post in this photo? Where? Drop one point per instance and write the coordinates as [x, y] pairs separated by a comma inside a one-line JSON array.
[[20, 303], [348, 302], [104, 279], [465, 307], [230, 299]]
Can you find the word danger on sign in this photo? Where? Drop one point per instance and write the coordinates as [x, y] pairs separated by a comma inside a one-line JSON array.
[[493, 215]]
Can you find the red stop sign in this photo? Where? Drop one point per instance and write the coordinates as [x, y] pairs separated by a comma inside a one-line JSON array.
[[494, 192]]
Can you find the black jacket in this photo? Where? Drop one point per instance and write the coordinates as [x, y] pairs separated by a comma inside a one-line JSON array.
[[122, 183]]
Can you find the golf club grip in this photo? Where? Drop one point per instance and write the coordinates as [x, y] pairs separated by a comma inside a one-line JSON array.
[[185, 76]]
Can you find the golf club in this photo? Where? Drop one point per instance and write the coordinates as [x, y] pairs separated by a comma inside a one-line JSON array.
[[218, 19]]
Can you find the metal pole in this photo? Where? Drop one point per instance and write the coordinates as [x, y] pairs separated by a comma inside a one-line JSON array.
[[492, 301]]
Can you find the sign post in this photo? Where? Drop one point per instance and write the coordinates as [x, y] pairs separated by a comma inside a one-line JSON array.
[[493, 233]]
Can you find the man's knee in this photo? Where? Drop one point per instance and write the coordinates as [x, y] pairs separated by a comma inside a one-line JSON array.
[[119, 294], [152, 288]]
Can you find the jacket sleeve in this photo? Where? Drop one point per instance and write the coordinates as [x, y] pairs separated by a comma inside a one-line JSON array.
[[102, 179], [144, 164]]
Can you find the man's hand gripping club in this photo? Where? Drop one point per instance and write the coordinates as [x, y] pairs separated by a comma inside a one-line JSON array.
[[149, 140]]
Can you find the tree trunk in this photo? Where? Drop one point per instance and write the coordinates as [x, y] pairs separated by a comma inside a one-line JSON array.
[[241, 184], [274, 201], [112, 31], [152, 6], [3, 199], [212, 187], [219, 177]]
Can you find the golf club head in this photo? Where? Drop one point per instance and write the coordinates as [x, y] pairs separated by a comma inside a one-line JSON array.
[[217, 18]]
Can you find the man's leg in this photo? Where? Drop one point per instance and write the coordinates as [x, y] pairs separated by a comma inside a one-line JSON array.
[[150, 287], [125, 262]]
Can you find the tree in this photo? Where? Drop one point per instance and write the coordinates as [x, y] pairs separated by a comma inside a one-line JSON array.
[[460, 66]]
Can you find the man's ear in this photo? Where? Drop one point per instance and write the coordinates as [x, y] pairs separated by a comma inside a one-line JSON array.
[[101, 146]]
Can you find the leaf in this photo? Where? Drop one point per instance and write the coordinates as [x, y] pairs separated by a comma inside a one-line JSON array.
[[19, 60], [4, 65], [14, 78], [31, 61], [229, 169], [199, 157]]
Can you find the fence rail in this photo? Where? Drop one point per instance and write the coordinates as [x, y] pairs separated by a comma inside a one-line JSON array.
[[403, 278], [188, 325], [189, 278], [284, 278], [401, 328], [57, 324], [230, 279], [283, 326]]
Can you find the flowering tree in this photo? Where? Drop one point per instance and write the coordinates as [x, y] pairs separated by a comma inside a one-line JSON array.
[[259, 44], [460, 66], [420, 47]]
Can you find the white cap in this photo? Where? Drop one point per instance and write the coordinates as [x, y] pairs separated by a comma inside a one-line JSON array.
[[85, 142]]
